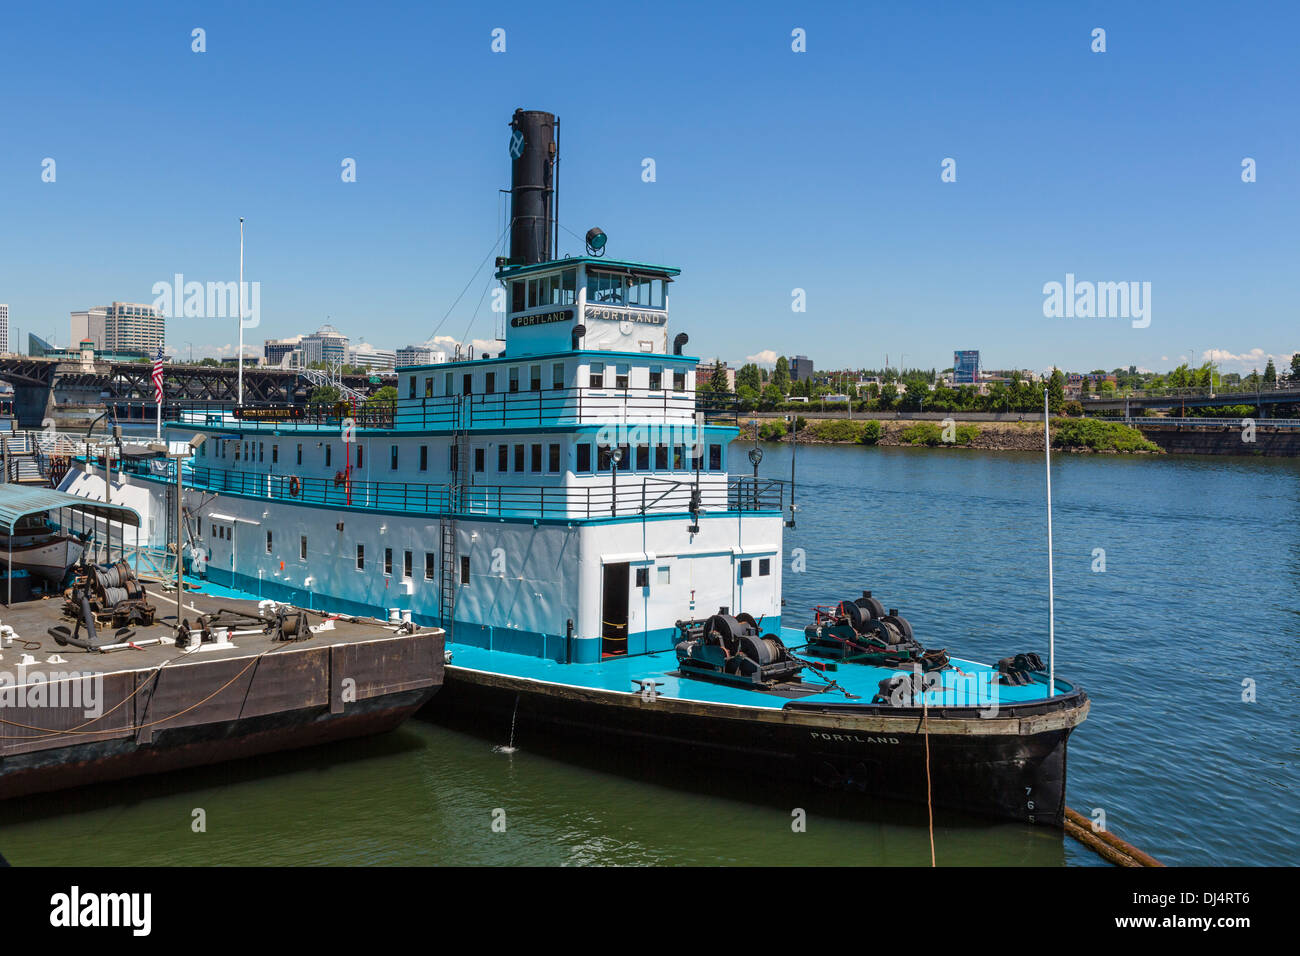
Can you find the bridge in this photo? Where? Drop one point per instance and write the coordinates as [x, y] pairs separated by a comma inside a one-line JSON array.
[[69, 390], [1262, 397]]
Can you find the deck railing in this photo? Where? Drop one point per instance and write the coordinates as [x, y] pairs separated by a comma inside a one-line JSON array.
[[620, 496], [520, 409]]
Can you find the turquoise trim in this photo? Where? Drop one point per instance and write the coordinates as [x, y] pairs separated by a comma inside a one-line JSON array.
[[512, 272], [648, 357]]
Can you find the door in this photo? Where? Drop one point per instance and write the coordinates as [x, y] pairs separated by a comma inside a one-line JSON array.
[[613, 610]]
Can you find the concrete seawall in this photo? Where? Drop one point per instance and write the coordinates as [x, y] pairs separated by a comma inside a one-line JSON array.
[[1178, 439]]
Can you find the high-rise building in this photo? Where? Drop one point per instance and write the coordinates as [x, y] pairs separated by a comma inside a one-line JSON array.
[[89, 324], [327, 344], [801, 368], [274, 351], [4, 329], [367, 356], [426, 354], [132, 327], [966, 367]]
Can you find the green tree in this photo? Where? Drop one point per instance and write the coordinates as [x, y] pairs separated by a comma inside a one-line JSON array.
[[718, 380], [1055, 392], [1295, 365], [383, 396], [1270, 373], [749, 375], [771, 396], [781, 375], [325, 395]]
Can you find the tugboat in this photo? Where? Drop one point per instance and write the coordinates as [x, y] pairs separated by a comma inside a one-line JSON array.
[[562, 508]]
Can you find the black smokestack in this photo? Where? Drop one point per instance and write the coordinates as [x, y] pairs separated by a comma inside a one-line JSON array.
[[532, 186]]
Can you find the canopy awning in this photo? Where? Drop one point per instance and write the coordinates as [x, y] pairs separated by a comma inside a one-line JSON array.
[[18, 501]]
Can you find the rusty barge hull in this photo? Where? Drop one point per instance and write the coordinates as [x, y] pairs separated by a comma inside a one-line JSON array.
[[75, 722]]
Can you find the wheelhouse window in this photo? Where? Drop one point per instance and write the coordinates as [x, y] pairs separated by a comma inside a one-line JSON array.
[[605, 288], [535, 378], [679, 380], [584, 457], [535, 458], [519, 458], [518, 294], [596, 376], [715, 458], [661, 457], [642, 457], [553, 458], [620, 376], [489, 382], [568, 287], [557, 375], [656, 379], [514, 379]]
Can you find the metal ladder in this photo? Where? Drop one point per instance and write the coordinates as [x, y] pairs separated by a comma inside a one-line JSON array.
[[449, 576]]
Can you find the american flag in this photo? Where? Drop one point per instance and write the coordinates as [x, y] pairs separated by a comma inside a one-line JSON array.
[[157, 377]]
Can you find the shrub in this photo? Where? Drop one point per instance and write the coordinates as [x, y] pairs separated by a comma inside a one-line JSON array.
[[773, 430], [1098, 435], [922, 433], [1073, 409]]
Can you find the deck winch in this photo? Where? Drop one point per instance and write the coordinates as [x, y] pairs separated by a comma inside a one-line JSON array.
[[859, 631], [732, 650]]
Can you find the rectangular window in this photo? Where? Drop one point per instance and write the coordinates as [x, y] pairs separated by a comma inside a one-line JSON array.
[[679, 380], [764, 567], [261, 452], [300, 453], [361, 557], [517, 296], [519, 458], [532, 293], [620, 376], [489, 382], [535, 458], [596, 377], [642, 457], [446, 383], [302, 547], [430, 566], [661, 457], [665, 574], [424, 457], [584, 457], [557, 375], [428, 386], [568, 287], [643, 577], [746, 569], [479, 464], [534, 378], [328, 449], [677, 457], [656, 379], [467, 383], [268, 542], [626, 462], [715, 458], [392, 457], [388, 562], [275, 454], [553, 459], [411, 387], [503, 457], [453, 460], [406, 564], [514, 379], [359, 450], [464, 569]]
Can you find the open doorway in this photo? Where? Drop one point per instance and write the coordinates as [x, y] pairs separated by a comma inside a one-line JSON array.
[[613, 610]]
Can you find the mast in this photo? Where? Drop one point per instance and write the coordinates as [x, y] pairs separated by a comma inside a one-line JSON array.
[[240, 392], [1051, 594]]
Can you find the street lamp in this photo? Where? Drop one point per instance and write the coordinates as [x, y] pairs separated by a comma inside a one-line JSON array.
[[178, 457]]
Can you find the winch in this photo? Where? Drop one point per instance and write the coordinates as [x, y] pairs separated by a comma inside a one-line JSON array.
[[859, 631], [731, 650]]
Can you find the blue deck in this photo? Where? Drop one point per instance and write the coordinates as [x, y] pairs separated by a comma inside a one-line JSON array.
[[625, 674]]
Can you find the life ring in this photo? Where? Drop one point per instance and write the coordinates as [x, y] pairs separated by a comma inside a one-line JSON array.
[[295, 486]]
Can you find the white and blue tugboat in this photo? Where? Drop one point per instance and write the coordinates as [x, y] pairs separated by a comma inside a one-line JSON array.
[[562, 507]]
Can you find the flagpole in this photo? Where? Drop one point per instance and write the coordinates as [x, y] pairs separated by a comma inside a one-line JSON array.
[[1051, 592], [241, 312]]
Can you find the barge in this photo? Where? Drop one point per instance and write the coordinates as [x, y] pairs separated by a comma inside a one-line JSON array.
[[561, 507]]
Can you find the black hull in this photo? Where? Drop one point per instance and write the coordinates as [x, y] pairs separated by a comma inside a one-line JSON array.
[[1007, 775]]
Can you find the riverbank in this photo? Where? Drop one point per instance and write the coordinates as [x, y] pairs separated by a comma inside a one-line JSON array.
[[1068, 434]]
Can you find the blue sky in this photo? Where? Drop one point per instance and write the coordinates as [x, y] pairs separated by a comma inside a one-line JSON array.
[[775, 170]]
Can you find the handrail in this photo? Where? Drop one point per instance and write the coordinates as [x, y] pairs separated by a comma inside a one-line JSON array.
[[717, 491]]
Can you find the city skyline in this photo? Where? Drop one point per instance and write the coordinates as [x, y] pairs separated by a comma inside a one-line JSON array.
[[842, 203]]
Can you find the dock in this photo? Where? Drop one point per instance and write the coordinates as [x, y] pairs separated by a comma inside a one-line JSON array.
[[70, 716]]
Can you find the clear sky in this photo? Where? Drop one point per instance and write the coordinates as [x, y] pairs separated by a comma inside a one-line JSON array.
[[775, 170]]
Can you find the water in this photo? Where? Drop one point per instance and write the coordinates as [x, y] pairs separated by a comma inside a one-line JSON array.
[[1199, 592]]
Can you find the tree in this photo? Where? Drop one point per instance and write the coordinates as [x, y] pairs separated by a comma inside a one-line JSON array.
[[1270, 373], [888, 395], [781, 375], [718, 380], [383, 396], [325, 395], [916, 394], [1055, 392], [1295, 365], [749, 375]]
